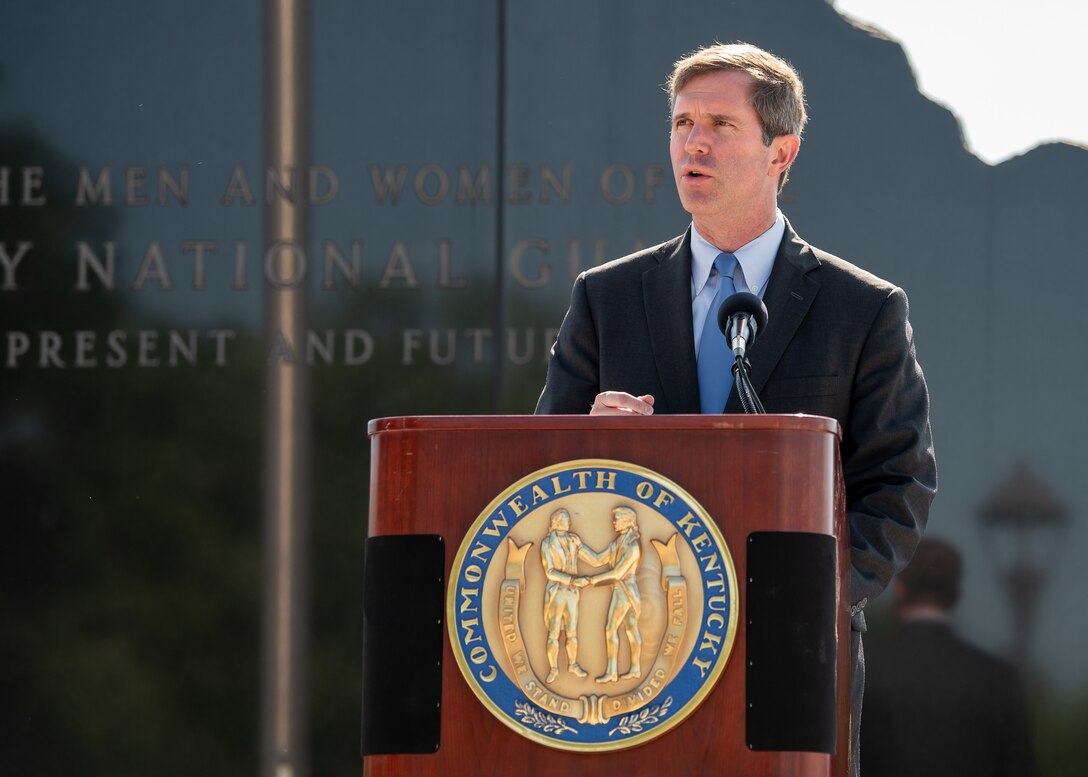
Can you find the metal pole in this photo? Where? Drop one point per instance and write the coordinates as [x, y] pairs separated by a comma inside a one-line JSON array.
[[498, 320], [1024, 584], [286, 474]]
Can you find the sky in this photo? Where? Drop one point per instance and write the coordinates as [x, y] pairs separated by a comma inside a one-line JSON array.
[[987, 62]]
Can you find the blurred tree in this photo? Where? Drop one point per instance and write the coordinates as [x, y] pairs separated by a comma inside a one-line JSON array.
[[128, 545], [1061, 744]]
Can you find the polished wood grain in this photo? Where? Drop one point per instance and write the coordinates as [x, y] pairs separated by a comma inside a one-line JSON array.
[[434, 475]]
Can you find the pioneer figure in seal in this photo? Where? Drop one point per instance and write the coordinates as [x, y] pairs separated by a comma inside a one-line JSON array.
[[560, 551]]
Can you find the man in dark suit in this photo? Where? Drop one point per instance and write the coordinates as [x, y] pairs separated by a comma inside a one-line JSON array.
[[936, 705], [837, 343]]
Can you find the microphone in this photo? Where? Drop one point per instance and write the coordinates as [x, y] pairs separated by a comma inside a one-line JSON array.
[[740, 318]]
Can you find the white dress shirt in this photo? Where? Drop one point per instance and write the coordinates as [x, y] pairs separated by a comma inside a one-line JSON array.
[[754, 262]]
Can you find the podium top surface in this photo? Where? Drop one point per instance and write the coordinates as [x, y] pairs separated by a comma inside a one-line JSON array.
[[767, 422]]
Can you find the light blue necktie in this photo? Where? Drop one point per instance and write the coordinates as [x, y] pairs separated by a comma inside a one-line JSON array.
[[715, 357]]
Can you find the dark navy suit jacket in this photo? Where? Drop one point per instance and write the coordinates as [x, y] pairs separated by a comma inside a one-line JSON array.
[[940, 707], [837, 343]]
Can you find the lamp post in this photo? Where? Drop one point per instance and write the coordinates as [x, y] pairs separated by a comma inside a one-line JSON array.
[[1021, 521]]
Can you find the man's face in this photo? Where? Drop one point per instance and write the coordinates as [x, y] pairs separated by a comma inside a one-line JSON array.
[[719, 160]]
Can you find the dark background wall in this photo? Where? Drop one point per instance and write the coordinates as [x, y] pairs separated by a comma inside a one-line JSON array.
[[474, 156]]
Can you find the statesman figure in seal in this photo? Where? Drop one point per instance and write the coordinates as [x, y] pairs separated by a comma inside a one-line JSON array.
[[624, 555]]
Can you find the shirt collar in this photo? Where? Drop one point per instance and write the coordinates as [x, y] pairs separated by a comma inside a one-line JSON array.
[[755, 258]]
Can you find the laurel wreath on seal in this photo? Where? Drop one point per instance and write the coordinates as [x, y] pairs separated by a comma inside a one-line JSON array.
[[533, 717], [634, 723]]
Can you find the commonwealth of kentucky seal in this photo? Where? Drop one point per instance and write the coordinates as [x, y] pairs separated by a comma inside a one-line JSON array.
[[593, 605]]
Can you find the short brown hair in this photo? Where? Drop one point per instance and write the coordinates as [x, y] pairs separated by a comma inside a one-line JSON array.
[[778, 96], [933, 575]]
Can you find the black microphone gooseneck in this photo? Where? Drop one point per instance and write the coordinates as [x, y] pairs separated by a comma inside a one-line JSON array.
[[740, 318]]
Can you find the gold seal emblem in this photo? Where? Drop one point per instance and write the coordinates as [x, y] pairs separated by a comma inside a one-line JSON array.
[[592, 605]]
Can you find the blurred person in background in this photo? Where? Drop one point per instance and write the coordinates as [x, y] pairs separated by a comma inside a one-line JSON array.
[[936, 705]]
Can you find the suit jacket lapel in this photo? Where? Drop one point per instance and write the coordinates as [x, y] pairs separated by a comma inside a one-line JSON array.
[[666, 293], [790, 292]]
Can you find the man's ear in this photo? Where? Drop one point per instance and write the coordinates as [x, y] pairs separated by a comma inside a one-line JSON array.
[[785, 148]]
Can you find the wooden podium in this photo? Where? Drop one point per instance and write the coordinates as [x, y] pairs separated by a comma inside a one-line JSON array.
[[775, 478]]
